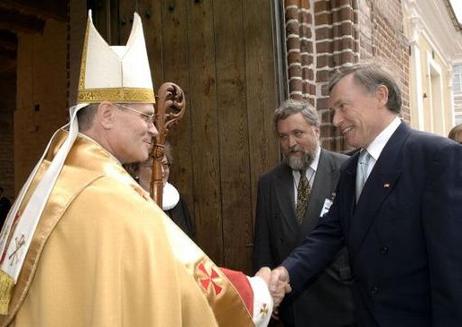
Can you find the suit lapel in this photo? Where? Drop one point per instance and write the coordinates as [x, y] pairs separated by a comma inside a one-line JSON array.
[[285, 194], [379, 185], [348, 196], [320, 189]]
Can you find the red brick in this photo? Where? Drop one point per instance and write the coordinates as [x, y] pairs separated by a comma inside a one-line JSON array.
[[306, 47], [324, 60], [293, 43], [321, 6], [346, 28], [295, 70], [323, 33], [307, 74], [322, 105], [306, 59], [323, 19], [295, 85], [324, 46], [343, 14], [305, 4], [294, 57], [288, 3], [322, 76], [293, 28]]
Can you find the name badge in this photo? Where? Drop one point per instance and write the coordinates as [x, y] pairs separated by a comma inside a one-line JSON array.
[[326, 207]]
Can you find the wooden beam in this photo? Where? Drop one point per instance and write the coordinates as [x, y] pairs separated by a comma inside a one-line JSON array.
[[8, 40], [8, 51], [7, 62], [43, 9], [6, 54], [14, 20]]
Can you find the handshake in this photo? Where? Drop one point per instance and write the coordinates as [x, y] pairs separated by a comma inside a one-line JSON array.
[[277, 281]]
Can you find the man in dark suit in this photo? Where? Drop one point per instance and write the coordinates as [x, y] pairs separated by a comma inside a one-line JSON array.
[[402, 227], [327, 301]]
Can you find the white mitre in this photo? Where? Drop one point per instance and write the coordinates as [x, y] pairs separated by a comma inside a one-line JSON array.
[[119, 74], [115, 73]]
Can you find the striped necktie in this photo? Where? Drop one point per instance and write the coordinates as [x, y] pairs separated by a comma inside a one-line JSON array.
[[361, 172]]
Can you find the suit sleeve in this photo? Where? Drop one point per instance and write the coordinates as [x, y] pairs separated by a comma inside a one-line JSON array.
[[262, 255], [442, 223], [317, 250]]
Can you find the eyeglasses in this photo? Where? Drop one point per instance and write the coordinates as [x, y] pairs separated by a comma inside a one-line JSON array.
[[148, 118]]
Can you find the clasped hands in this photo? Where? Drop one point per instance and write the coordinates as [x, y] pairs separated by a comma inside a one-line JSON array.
[[277, 281]]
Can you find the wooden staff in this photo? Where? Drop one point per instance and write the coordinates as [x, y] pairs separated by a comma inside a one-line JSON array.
[[170, 109]]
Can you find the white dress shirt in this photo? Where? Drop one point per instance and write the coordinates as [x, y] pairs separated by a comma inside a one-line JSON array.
[[377, 145]]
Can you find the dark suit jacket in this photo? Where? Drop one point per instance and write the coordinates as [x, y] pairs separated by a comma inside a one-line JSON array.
[[404, 235], [180, 215], [328, 300]]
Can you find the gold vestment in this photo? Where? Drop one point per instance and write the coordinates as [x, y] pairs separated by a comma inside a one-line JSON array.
[[104, 254]]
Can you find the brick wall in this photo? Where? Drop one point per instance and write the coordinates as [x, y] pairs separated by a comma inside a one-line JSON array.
[[337, 44], [299, 40], [322, 35], [383, 40]]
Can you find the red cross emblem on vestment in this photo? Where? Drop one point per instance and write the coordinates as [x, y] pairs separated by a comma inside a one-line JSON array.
[[209, 279]]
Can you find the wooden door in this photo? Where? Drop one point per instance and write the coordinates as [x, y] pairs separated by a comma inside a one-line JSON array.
[[221, 53]]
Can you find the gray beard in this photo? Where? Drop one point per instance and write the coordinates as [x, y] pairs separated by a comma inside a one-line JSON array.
[[299, 163]]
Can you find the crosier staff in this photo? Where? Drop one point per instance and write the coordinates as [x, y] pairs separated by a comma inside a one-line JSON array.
[[170, 109]]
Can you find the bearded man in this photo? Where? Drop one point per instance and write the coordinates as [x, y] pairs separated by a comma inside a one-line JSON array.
[[292, 198]]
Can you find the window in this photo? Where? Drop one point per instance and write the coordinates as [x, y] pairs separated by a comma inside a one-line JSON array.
[[457, 78]]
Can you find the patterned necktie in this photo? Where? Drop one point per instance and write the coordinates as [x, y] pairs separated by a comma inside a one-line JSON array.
[[361, 172], [303, 194]]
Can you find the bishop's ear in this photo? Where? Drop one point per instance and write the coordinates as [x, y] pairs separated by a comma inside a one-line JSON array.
[[105, 114]]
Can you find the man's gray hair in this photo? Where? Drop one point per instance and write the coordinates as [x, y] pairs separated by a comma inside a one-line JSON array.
[[371, 76], [291, 107]]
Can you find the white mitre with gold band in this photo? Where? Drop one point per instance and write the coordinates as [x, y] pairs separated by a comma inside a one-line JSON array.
[[115, 73], [119, 74]]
